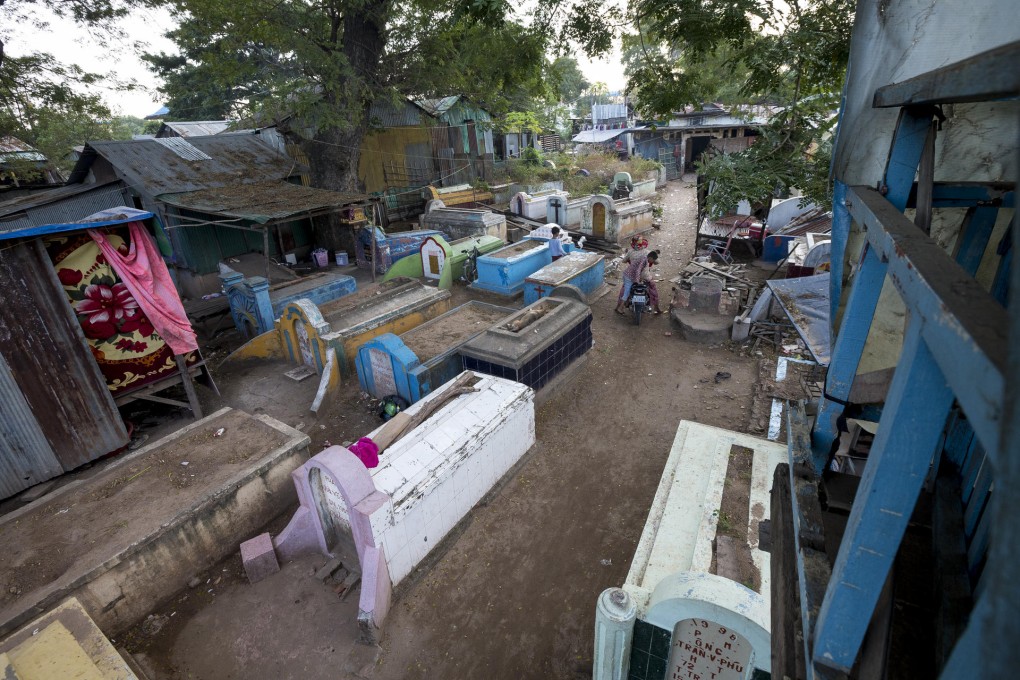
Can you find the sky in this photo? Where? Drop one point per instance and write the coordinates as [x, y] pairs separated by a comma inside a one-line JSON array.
[[69, 43], [144, 28]]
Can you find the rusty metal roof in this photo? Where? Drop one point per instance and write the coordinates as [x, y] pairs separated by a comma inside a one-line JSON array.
[[12, 147], [263, 202], [151, 166], [59, 206]]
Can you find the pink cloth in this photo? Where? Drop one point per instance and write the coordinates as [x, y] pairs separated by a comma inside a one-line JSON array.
[[366, 451], [145, 275]]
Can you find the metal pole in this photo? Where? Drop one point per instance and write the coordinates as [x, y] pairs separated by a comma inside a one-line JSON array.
[[371, 225], [265, 248]]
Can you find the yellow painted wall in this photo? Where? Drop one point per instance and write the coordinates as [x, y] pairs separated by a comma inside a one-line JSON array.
[[347, 349], [265, 346], [386, 146]]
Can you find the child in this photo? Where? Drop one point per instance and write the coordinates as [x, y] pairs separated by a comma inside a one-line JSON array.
[[555, 245]]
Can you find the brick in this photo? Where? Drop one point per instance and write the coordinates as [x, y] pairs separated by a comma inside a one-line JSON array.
[[259, 558]]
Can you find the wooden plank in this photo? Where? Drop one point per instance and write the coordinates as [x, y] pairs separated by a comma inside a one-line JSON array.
[[984, 77], [50, 361], [875, 650], [715, 270], [189, 386], [812, 564], [787, 654], [952, 579], [909, 432], [964, 326]]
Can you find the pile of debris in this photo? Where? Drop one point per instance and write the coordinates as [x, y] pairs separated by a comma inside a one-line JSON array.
[[733, 277]]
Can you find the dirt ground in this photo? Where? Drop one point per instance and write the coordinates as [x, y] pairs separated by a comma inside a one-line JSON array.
[[512, 594]]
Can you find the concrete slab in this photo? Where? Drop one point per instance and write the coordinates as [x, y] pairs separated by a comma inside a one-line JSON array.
[[62, 644], [130, 537], [682, 521]]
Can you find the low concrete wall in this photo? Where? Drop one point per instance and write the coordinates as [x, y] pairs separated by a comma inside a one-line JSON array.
[[121, 589]]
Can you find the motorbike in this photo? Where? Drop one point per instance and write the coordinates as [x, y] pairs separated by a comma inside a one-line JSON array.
[[638, 301]]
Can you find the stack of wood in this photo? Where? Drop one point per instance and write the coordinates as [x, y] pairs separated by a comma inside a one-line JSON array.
[[732, 276]]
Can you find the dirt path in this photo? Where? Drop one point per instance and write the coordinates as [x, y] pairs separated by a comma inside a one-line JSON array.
[[514, 597]]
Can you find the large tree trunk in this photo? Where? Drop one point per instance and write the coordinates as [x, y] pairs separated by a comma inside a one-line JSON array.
[[335, 150]]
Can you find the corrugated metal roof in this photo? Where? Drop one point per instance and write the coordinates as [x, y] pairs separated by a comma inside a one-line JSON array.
[[598, 136], [263, 202], [161, 113], [67, 204], [194, 128], [606, 111], [384, 113], [438, 106], [183, 148], [12, 147], [150, 167]]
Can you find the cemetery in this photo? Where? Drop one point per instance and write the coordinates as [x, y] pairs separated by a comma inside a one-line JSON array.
[[388, 248], [581, 269], [442, 261], [435, 461], [684, 610], [537, 343], [503, 271], [255, 304], [416, 362], [307, 331], [135, 534], [459, 223]]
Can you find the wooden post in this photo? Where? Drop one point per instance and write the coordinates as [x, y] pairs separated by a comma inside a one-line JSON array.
[[189, 386], [265, 248]]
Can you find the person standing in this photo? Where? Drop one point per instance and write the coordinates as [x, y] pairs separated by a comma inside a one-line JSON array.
[[556, 245]]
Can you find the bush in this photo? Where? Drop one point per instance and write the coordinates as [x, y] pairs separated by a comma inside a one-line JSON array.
[[531, 156]]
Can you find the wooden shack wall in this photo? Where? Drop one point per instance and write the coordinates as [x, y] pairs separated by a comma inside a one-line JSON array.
[[396, 157], [47, 361]]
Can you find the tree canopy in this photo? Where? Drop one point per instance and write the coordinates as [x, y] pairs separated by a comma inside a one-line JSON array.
[[793, 55]]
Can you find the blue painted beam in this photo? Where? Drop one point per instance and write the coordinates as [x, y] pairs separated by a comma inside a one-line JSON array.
[[912, 130], [840, 235], [975, 233], [962, 324], [846, 353], [910, 430], [1000, 286]]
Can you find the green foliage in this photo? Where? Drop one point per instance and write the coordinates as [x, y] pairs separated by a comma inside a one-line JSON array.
[[566, 79], [601, 169], [790, 54], [521, 122], [48, 105], [531, 156]]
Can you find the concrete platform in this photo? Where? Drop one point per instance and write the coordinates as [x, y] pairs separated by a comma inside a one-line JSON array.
[[63, 644], [127, 539], [704, 327]]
